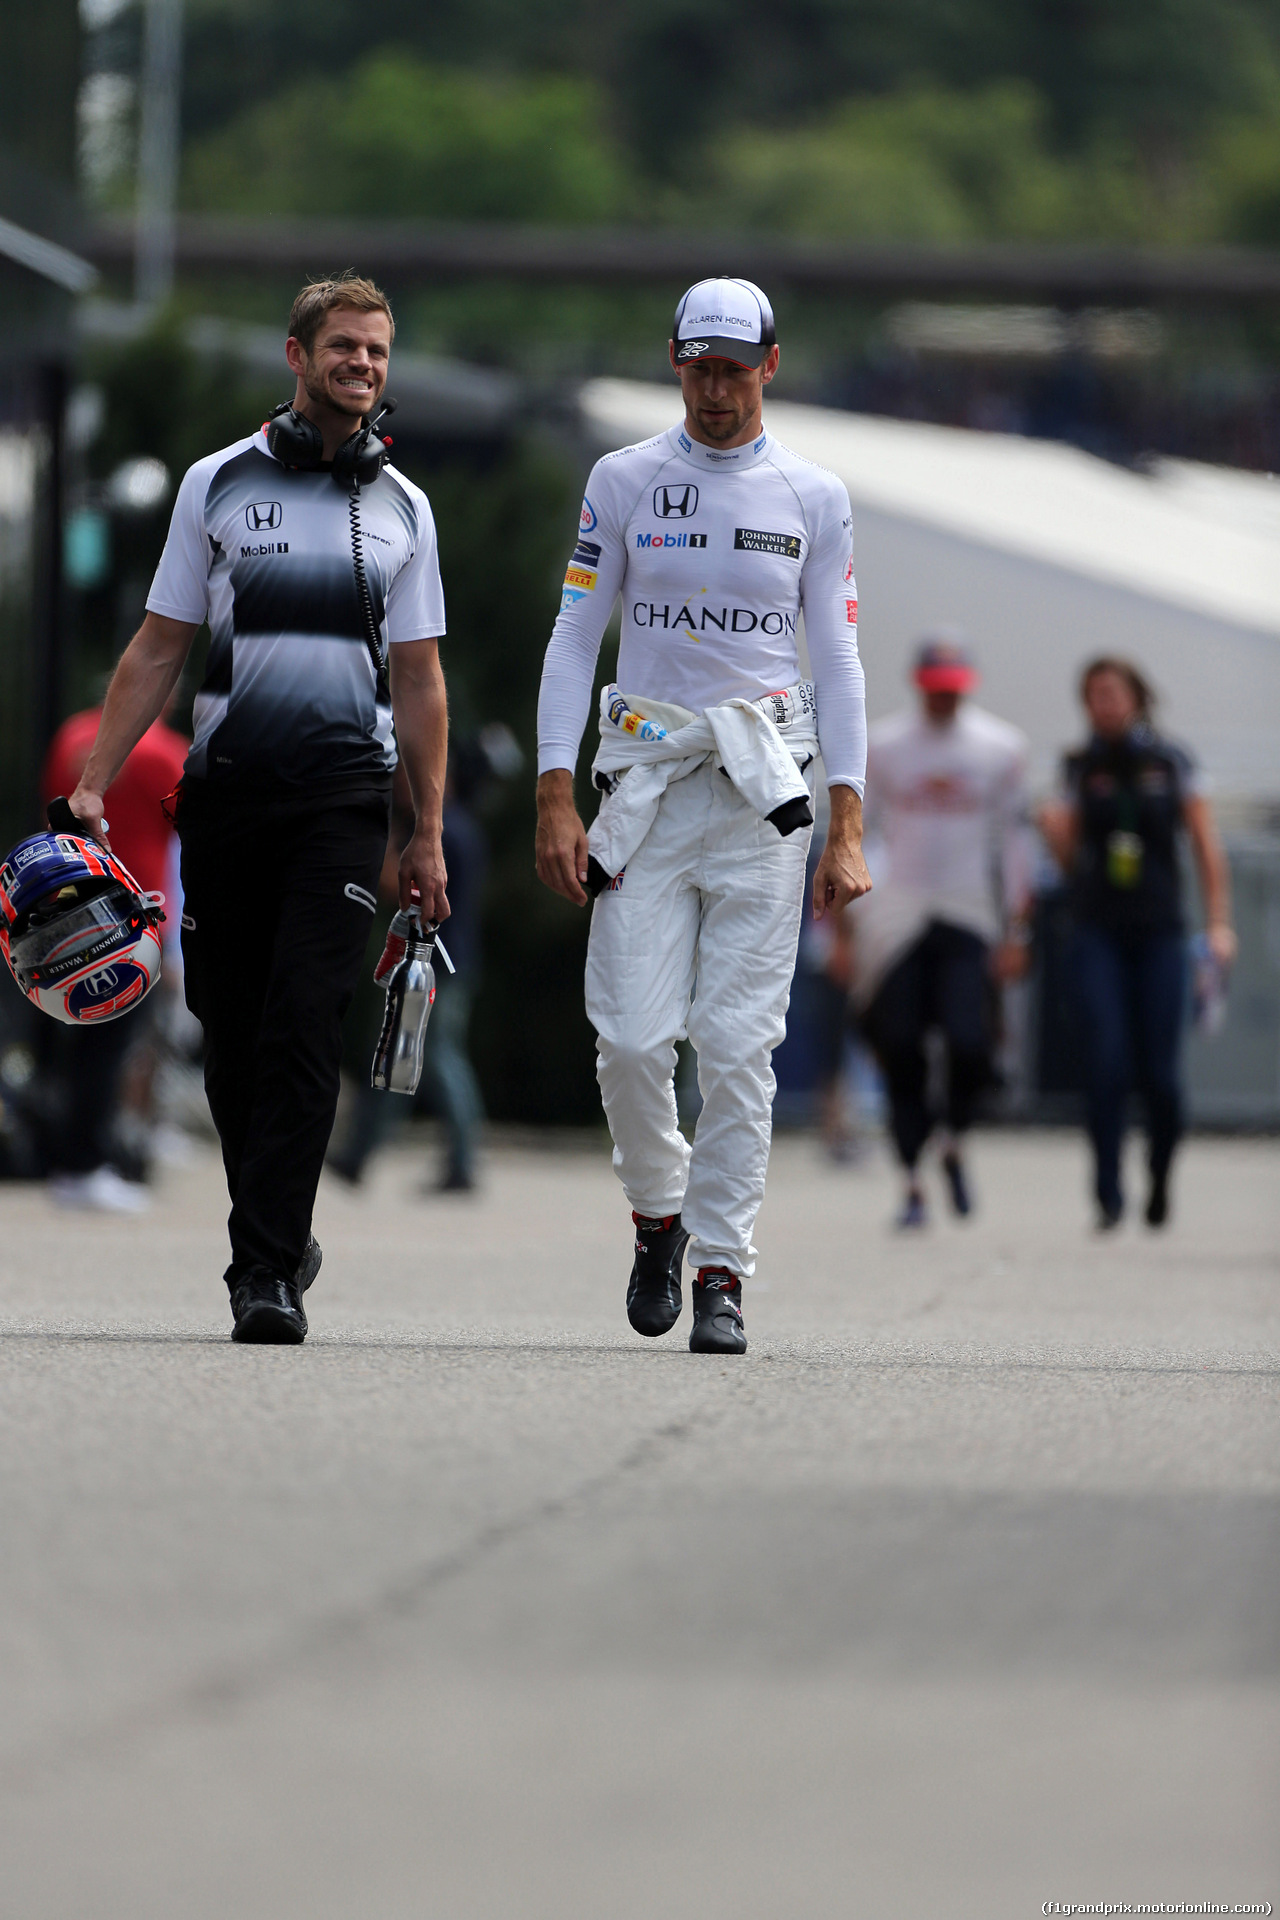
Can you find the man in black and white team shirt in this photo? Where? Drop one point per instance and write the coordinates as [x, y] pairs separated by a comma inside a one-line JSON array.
[[717, 538], [315, 565]]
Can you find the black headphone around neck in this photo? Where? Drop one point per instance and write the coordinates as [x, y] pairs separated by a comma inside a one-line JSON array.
[[297, 442]]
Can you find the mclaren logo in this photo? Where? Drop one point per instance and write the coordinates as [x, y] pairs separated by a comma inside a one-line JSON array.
[[262, 515], [675, 503]]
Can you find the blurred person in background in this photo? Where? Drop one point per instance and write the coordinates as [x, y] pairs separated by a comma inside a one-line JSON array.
[[716, 537], [315, 564], [949, 918], [449, 1086], [820, 994], [1128, 794], [93, 1058]]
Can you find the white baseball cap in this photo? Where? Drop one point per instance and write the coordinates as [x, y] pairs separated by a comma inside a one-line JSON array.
[[724, 320]]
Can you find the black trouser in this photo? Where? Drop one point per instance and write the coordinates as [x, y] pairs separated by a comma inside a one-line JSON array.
[[272, 941], [942, 981], [1131, 994], [92, 1060]]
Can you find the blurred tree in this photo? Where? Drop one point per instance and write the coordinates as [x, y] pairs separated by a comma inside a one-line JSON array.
[[1040, 121], [399, 137], [1150, 72], [244, 51], [161, 398], [933, 164], [1154, 72], [1244, 166], [38, 81]]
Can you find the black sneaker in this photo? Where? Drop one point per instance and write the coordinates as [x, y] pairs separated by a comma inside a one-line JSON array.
[[653, 1291], [717, 1313], [957, 1184], [913, 1214], [267, 1309], [1158, 1200]]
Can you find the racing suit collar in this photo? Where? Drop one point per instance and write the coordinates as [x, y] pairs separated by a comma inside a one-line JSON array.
[[712, 459]]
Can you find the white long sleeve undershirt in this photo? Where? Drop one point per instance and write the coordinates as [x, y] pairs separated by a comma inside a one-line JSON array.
[[716, 558]]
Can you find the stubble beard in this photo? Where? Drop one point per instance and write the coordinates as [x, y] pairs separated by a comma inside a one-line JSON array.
[[725, 429], [335, 400]]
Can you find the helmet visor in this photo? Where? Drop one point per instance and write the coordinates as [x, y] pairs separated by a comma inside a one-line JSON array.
[[64, 943]]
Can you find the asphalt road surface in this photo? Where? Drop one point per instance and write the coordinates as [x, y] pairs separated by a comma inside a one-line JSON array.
[[958, 1594]]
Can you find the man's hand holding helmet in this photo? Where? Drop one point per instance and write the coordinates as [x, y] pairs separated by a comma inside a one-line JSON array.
[[83, 815]]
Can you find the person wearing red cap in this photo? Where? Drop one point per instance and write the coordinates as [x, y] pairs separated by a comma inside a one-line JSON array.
[[946, 786]]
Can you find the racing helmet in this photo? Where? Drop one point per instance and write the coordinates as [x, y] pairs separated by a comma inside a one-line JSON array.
[[78, 932]]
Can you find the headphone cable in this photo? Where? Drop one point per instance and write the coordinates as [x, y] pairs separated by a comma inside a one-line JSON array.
[[372, 637]]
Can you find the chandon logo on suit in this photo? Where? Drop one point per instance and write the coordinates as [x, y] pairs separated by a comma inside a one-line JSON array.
[[262, 515], [727, 619], [675, 502]]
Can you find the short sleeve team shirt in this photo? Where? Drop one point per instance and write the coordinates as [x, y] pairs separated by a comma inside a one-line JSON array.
[[715, 554], [263, 552]]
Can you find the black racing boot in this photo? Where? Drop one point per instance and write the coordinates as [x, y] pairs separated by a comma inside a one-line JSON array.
[[717, 1313], [653, 1292], [267, 1309]]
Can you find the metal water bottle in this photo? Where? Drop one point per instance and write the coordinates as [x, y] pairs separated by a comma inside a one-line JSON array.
[[411, 989]]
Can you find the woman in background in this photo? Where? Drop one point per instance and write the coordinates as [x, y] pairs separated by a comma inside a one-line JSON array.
[[1128, 793]]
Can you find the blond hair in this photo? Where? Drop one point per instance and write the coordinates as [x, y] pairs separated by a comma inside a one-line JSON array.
[[319, 297]]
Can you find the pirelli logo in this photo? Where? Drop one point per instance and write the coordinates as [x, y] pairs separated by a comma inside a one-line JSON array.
[[751, 540], [583, 577]]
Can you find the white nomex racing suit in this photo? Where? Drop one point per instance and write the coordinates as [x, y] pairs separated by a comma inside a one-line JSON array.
[[715, 554]]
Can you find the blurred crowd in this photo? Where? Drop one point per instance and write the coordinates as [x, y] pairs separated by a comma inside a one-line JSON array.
[[905, 1000], [916, 977]]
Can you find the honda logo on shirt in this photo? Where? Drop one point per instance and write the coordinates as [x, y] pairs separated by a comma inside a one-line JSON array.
[[263, 514], [675, 503]]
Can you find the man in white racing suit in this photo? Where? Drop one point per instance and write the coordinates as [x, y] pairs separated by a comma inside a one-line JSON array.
[[717, 538]]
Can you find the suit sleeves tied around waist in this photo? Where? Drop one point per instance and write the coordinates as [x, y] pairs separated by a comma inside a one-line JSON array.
[[654, 744]]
